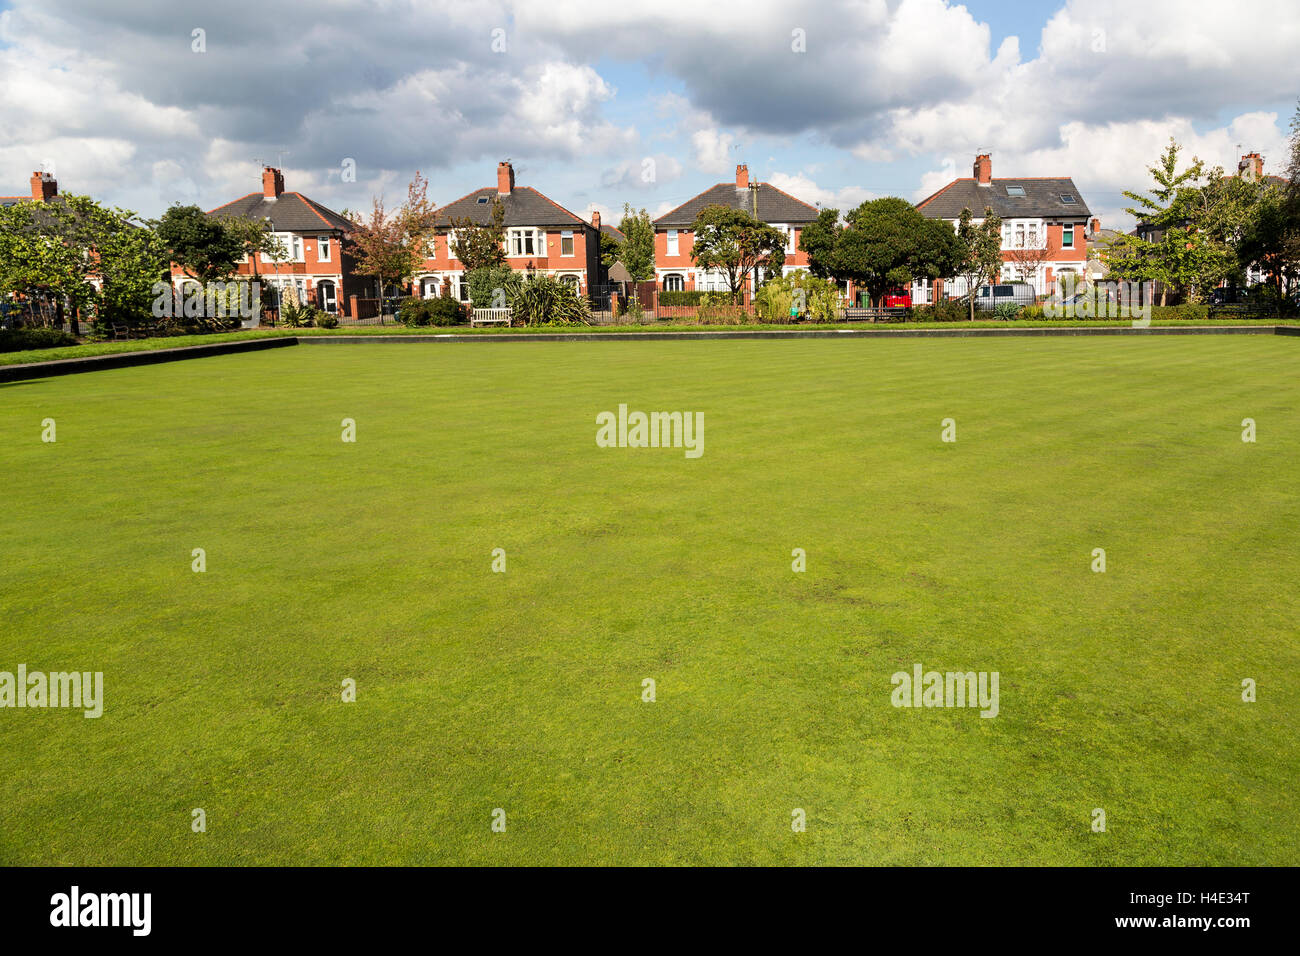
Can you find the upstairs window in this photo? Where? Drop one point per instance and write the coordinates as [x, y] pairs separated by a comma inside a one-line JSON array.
[[1067, 237], [566, 243], [1068, 199], [672, 242], [524, 242], [323, 252], [1017, 192]]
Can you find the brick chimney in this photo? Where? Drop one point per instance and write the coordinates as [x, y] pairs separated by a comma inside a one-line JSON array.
[[595, 219], [272, 182], [1251, 167], [742, 176], [505, 179], [1096, 225], [44, 187], [984, 169]]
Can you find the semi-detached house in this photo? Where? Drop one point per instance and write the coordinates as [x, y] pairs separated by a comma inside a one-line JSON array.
[[1045, 225], [675, 269], [312, 236], [541, 236]]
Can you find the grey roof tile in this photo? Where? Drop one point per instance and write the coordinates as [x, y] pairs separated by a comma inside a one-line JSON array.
[[773, 205], [524, 206], [292, 212], [1042, 198]]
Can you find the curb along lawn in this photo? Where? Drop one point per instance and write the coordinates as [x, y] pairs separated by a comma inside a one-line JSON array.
[[141, 345]]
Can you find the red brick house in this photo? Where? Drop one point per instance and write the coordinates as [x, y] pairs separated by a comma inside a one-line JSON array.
[[675, 270], [44, 188], [541, 236], [1045, 225], [313, 237]]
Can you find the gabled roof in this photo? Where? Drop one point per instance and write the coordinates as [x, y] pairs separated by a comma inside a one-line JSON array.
[[1042, 199], [14, 200], [616, 234], [292, 212], [773, 205], [524, 206]]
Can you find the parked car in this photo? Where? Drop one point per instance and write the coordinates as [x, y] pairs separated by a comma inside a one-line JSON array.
[[897, 299], [989, 297]]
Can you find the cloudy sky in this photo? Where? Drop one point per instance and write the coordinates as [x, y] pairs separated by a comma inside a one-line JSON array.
[[601, 103]]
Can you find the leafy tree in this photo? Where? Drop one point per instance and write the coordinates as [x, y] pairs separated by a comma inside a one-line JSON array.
[[479, 245], [981, 251], [1271, 239], [1178, 256], [637, 251], [485, 281], [56, 248], [609, 250], [391, 245], [882, 244], [736, 243], [204, 247], [818, 239]]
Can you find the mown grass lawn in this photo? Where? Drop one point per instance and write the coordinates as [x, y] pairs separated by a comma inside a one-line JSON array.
[[522, 690]]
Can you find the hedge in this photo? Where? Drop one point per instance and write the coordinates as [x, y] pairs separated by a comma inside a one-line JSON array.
[[22, 340]]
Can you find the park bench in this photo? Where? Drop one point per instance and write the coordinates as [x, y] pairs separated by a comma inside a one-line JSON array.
[[489, 317]]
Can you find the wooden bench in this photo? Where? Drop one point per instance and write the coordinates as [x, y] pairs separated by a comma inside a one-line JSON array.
[[489, 317], [863, 314]]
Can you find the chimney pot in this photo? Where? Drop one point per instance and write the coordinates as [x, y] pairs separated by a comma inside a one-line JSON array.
[[272, 182], [595, 219], [44, 187], [742, 176], [505, 179]]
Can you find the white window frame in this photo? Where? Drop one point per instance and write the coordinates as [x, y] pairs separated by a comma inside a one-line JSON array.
[[324, 252], [680, 281], [567, 234], [518, 237], [671, 243], [1070, 244]]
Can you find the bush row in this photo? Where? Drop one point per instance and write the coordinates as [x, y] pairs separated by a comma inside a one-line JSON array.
[[22, 340]]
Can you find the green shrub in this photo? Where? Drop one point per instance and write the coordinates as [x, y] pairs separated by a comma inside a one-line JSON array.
[[945, 310], [22, 340], [484, 282], [1180, 313], [1032, 313], [545, 300], [1006, 311], [327, 320], [418, 313]]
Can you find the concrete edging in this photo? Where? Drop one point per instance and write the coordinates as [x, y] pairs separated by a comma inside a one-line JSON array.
[[800, 334], [91, 363]]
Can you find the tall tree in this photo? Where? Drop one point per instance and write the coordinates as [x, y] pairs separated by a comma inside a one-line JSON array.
[[637, 250], [56, 248], [204, 247], [818, 239], [737, 244], [391, 245], [481, 245], [981, 251], [882, 244], [1176, 256]]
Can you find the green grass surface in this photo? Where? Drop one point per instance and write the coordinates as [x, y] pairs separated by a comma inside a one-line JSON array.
[[522, 690], [180, 341]]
